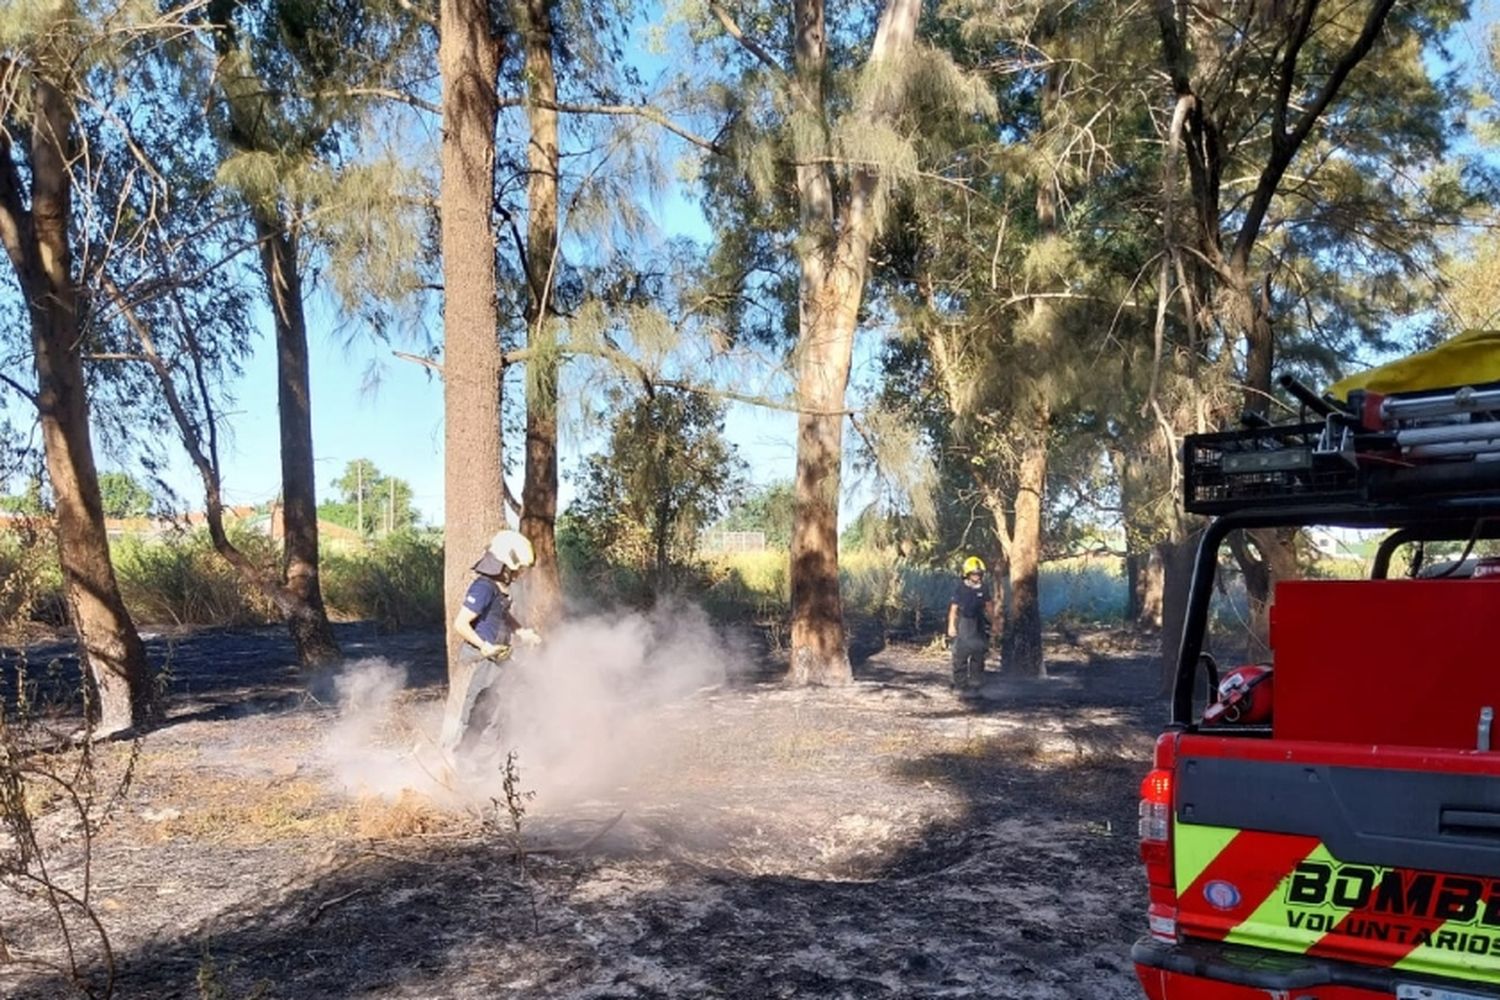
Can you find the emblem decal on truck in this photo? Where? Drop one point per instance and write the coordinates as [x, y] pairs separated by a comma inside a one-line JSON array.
[[1221, 895]]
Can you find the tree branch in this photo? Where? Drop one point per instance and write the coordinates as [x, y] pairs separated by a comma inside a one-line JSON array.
[[647, 379], [15, 220], [654, 115], [418, 359], [750, 45], [18, 387], [388, 94]]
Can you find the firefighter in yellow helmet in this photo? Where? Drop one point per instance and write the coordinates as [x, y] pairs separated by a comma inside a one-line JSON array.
[[969, 616]]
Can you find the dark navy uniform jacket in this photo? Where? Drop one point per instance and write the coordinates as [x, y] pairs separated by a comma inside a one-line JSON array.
[[492, 606], [971, 602]]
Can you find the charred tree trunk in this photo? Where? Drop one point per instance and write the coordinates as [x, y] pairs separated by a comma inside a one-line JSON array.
[[306, 617], [1176, 556], [1023, 633], [469, 53], [539, 492], [38, 244]]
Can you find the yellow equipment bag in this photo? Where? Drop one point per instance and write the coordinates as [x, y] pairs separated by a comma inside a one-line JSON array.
[[1471, 358]]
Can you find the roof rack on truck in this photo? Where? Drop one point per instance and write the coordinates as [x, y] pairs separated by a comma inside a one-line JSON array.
[[1424, 464], [1375, 448]]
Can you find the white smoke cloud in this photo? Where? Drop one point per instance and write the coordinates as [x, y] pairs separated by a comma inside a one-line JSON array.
[[586, 712], [591, 707], [366, 749]]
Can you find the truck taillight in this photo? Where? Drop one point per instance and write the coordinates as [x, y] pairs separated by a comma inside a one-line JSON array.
[[1156, 841], [1156, 806]]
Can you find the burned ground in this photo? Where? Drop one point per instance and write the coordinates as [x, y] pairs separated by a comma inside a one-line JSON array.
[[883, 840]]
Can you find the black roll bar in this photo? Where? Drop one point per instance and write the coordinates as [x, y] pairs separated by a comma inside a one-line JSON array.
[[1440, 520]]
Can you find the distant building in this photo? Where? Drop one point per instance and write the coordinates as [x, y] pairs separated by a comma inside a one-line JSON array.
[[732, 541]]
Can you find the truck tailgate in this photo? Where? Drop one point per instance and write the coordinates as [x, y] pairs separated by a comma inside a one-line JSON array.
[[1379, 855]]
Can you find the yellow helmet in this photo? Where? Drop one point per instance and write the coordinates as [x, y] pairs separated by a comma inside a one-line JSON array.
[[973, 564]]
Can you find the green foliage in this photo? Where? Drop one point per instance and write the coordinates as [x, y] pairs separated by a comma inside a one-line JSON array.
[[31, 589], [123, 496], [768, 509], [666, 472], [396, 582], [384, 502], [31, 502], [181, 580]]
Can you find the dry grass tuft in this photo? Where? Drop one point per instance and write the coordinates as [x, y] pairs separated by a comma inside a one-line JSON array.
[[246, 812], [409, 815]]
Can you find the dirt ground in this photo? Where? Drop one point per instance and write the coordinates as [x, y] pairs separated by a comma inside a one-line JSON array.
[[297, 839]]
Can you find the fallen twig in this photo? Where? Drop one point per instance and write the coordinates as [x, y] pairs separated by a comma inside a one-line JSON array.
[[584, 844], [330, 903]]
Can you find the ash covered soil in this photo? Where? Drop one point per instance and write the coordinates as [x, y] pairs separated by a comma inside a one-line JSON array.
[[686, 833]]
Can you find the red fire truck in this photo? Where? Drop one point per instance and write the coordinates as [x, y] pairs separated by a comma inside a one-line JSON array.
[[1328, 826]]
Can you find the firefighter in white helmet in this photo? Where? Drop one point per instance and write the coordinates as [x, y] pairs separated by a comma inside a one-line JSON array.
[[488, 627]]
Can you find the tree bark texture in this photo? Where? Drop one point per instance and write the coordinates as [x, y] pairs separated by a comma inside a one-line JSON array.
[[1176, 555], [1023, 628], [1143, 571], [38, 244], [306, 617], [469, 53], [818, 652], [543, 590], [1265, 557], [836, 231]]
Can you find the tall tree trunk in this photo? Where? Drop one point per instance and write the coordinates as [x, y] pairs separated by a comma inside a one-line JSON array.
[[836, 232], [1176, 555], [818, 652], [37, 242], [1143, 575], [1023, 628], [1273, 556], [473, 508], [306, 617], [1148, 583], [1023, 634], [539, 492]]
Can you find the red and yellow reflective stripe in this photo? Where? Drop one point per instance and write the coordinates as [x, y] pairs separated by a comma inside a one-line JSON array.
[[1256, 902]]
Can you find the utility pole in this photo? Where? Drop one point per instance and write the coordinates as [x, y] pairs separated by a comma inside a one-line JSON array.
[[390, 524], [359, 496]]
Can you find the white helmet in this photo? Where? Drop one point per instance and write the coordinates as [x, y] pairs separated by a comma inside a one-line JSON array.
[[507, 550]]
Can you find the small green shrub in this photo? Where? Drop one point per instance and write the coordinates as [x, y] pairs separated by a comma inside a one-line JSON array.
[[397, 582], [181, 580], [31, 590], [1083, 589]]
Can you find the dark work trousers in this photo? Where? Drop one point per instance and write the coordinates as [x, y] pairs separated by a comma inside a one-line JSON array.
[[969, 648], [478, 726]]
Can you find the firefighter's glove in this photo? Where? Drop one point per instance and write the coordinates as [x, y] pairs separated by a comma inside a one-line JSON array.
[[528, 637]]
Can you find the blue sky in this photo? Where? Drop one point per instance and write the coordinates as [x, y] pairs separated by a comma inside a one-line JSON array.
[[398, 424]]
